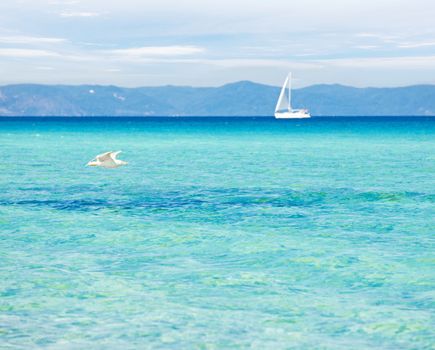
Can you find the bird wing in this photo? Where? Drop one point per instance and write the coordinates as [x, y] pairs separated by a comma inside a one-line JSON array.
[[113, 155], [104, 157]]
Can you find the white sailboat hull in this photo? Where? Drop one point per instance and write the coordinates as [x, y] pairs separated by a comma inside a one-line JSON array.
[[292, 115]]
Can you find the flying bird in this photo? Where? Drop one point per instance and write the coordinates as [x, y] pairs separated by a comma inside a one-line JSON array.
[[107, 160]]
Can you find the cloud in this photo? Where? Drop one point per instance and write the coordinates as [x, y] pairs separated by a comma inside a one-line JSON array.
[[153, 51], [65, 2], [243, 63], [370, 35], [378, 37], [366, 47], [27, 53], [46, 68], [411, 62], [29, 40], [79, 14], [415, 45], [408, 62]]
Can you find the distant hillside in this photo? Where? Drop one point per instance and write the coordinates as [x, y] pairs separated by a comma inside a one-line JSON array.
[[238, 99]]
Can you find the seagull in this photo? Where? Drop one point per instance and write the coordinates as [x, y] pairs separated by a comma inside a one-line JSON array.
[[107, 160]]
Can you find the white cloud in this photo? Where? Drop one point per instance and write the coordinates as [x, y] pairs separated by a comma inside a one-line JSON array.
[[27, 53], [415, 45], [46, 68], [153, 51], [65, 2], [79, 14], [387, 63], [368, 35], [366, 47], [244, 63], [29, 40]]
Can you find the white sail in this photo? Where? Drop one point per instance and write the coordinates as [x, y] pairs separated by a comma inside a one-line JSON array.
[[283, 102]]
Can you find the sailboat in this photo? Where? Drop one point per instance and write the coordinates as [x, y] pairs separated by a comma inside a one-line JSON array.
[[283, 109]]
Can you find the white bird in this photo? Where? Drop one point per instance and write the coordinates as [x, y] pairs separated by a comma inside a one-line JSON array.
[[107, 160]]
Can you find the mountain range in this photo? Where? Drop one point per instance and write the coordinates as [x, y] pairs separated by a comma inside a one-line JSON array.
[[242, 98]]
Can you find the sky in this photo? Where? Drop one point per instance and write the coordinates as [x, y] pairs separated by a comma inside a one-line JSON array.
[[132, 43]]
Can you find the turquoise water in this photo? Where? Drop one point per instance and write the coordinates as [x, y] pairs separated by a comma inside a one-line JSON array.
[[220, 233]]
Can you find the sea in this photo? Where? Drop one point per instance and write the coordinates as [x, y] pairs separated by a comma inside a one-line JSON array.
[[220, 233]]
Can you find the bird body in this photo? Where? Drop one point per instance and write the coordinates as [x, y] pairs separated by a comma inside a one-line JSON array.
[[107, 160]]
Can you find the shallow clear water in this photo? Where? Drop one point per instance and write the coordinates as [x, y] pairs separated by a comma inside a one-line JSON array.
[[220, 233]]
